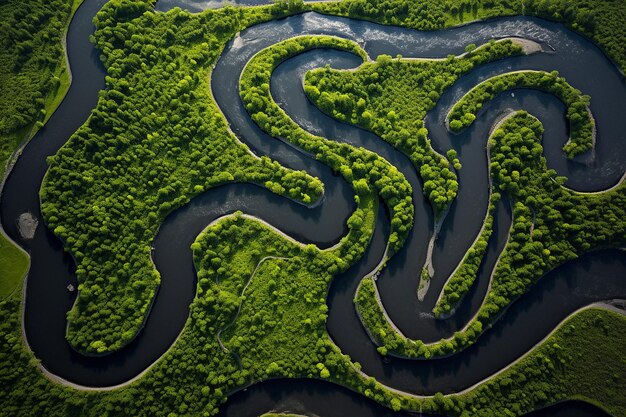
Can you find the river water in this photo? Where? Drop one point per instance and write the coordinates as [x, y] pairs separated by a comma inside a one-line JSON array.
[[593, 277]]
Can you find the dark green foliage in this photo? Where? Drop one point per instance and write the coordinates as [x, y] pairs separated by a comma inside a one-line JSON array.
[[261, 293], [551, 225], [463, 277], [582, 129], [601, 20], [30, 56], [571, 363], [366, 171], [464, 112], [30, 50], [280, 331], [391, 97], [155, 140], [281, 286], [141, 155]]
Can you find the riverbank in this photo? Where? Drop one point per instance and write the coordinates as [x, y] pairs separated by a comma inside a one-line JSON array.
[[615, 306], [481, 234], [14, 261], [14, 264], [582, 135], [51, 102]]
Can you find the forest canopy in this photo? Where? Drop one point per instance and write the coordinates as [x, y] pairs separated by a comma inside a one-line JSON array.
[[157, 139]]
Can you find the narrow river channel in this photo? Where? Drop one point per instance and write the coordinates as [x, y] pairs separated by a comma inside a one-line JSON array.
[[593, 277]]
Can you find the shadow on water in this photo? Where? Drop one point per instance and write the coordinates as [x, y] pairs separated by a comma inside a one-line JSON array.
[[593, 277], [315, 398]]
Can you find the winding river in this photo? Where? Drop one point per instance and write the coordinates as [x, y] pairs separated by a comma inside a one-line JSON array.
[[593, 277]]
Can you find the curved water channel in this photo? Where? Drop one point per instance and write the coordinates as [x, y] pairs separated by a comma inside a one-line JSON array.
[[593, 277]]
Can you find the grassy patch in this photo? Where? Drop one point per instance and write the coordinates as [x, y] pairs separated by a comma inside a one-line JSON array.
[[50, 80], [13, 266], [262, 294]]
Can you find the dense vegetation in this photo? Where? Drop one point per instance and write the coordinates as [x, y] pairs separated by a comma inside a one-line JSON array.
[[157, 139], [276, 287], [464, 112], [569, 364], [33, 80], [391, 97], [466, 272], [32, 67], [365, 170], [551, 225], [273, 286], [581, 124], [196, 374], [110, 187], [600, 20]]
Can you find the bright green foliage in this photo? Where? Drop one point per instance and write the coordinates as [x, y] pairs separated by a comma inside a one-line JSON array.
[[551, 225], [278, 288], [452, 158], [391, 97], [155, 140], [263, 294], [259, 294], [464, 276], [196, 374], [33, 79], [571, 363], [601, 20], [30, 60], [13, 265], [582, 129], [365, 170]]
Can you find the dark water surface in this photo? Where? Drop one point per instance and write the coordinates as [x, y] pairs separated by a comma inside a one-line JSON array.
[[322, 399], [593, 277]]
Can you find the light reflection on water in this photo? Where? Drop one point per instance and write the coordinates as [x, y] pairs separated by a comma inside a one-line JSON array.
[[377, 39], [199, 5]]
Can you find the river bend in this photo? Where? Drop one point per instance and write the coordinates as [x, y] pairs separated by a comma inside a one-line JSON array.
[[593, 277]]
